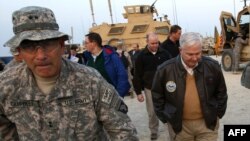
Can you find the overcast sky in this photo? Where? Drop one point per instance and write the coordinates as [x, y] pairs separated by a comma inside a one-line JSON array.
[[192, 15]]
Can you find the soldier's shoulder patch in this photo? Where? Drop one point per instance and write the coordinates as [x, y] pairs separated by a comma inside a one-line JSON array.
[[122, 107], [107, 96], [111, 99]]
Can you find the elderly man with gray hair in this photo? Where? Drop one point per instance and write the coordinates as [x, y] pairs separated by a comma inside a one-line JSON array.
[[49, 98], [189, 93]]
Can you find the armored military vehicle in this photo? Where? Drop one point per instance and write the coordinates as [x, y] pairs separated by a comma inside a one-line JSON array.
[[208, 46], [140, 21], [230, 27]]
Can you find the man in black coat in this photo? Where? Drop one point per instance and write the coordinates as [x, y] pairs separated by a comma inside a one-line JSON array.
[[171, 44], [133, 55], [145, 67]]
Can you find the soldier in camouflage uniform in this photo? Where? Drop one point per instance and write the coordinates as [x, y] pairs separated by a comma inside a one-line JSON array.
[[48, 98], [239, 43]]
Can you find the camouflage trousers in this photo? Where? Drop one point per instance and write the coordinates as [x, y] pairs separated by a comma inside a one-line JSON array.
[[236, 58]]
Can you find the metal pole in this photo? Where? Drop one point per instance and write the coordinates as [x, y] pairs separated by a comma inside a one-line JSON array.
[[92, 12], [72, 34], [234, 9], [110, 11]]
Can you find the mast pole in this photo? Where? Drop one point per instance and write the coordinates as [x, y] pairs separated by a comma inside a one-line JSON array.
[[92, 13], [110, 11]]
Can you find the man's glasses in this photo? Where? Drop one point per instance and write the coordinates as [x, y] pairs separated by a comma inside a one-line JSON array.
[[32, 46], [86, 42]]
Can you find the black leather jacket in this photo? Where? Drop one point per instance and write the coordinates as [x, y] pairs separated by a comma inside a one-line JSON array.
[[168, 91]]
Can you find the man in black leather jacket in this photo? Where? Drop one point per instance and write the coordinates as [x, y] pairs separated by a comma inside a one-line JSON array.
[[189, 92]]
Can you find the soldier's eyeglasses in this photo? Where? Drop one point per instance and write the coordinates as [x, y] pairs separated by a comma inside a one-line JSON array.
[[32, 46]]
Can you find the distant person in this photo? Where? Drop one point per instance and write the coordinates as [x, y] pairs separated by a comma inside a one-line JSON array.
[[171, 44], [239, 43], [126, 60], [189, 93], [49, 98], [16, 59], [133, 55], [74, 56], [145, 67], [107, 62], [124, 56]]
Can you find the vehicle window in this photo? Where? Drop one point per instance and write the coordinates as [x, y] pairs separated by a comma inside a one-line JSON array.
[[130, 10], [139, 28], [162, 30], [137, 9], [145, 9], [229, 21], [116, 30], [245, 19]]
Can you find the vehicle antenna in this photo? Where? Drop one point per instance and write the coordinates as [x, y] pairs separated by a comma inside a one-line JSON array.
[[245, 3], [110, 11], [92, 13], [153, 9], [175, 11]]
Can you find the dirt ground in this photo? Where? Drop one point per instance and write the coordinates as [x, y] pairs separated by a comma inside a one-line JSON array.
[[238, 109]]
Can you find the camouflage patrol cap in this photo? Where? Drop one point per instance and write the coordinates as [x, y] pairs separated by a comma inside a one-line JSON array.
[[34, 23]]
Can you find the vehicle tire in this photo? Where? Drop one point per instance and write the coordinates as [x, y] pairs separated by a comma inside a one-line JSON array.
[[227, 59], [245, 81]]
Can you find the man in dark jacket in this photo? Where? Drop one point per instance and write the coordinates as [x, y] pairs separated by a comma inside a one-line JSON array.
[[133, 55], [145, 67], [171, 44], [189, 93]]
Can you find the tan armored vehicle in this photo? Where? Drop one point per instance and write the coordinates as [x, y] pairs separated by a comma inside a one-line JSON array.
[[208, 46], [140, 21], [230, 27]]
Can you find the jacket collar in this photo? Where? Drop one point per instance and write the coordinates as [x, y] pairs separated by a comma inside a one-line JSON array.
[[182, 71], [146, 50]]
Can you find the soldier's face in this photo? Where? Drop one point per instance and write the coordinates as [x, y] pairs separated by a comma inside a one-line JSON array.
[[191, 55], [43, 57]]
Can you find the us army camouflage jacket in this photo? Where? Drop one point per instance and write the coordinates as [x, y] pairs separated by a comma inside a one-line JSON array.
[[82, 106]]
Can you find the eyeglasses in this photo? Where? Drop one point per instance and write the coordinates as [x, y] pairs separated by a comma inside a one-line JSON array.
[[32, 46], [86, 42]]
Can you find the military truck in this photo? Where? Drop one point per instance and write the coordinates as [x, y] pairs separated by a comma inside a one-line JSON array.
[[230, 27], [140, 21]]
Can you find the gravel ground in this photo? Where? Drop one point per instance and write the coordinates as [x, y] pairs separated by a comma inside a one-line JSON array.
[[238, 110]]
